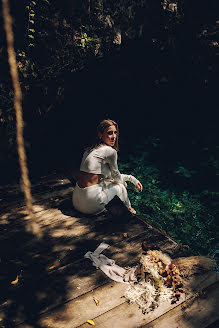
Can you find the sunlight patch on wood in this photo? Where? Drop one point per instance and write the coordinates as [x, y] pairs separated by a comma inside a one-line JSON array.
[[77, 231], [60, 248], [62, 181]]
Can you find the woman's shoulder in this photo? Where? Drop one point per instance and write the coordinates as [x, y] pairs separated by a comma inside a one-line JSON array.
[[110, 152], [107, 149], [103, 150], [104, 147]]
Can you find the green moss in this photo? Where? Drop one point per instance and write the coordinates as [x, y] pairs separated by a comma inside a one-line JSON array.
[[183, 214]]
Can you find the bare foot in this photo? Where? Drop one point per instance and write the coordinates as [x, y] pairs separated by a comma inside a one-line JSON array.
[[131, 209]]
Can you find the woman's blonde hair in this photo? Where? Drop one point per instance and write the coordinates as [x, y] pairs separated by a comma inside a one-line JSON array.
[[102, 126]]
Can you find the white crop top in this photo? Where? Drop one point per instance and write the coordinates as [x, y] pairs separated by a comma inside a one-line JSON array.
[[101, 160]]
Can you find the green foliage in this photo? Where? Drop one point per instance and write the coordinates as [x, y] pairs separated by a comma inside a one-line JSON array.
[[25, 65], [184, 215], [82, 40], [30, 23], [181, 170]]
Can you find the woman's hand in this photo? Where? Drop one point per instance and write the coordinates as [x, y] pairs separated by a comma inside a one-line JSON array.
[[133, 180], [136, 182], [139, 186]]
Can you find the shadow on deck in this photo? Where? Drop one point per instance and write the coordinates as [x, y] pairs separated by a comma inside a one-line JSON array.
[[48, 283]]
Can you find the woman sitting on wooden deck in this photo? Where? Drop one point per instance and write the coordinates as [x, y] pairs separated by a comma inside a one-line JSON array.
[[100, 180]]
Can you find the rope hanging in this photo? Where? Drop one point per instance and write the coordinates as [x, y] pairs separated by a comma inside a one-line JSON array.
[[34, 228]]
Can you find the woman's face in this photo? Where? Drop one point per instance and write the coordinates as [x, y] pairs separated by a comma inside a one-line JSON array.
[[109, 135]]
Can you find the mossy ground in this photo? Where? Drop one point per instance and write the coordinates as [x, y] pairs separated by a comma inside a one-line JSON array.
[[179, 187]]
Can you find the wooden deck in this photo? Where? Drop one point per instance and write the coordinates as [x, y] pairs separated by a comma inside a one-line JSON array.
[[57, 286]]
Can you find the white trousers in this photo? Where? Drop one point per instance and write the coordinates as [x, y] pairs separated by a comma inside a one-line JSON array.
[[93, 199]]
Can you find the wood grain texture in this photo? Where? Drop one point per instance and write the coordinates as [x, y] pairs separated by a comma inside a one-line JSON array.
[[61, 283]]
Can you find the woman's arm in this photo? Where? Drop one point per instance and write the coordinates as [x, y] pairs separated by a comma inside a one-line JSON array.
[[132, 179], [111, 159]]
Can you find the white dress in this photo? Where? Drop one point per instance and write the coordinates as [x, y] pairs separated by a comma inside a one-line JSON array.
[[93, 199]]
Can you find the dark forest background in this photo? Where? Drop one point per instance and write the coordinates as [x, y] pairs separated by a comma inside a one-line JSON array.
[[150, 65]]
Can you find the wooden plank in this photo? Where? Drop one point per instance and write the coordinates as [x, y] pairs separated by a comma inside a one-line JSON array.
[[215, 324], [44, 199], [113, 310], [130, 316], [57, 190], [70, 237], [66, 240], [75, 313], [12, 191], [81, 277], [196, 313]]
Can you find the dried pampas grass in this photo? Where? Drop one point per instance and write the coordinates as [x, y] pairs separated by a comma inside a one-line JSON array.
[[193, 264], [159, 278]]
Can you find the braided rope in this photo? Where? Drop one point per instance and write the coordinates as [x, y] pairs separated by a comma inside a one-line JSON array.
[[32, 226]]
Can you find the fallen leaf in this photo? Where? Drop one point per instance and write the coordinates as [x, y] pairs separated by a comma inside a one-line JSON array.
[[14, 282], [96, 300], [125, 235], [52, 267], [91, 322]]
